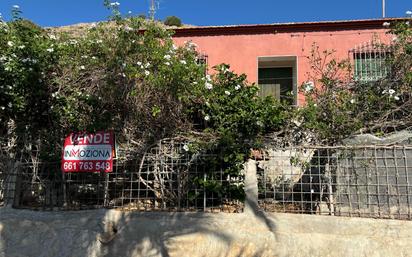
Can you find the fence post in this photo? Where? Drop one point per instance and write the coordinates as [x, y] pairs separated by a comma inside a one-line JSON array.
[[12, 185], [204, 191], [251, 187], [106, 189]]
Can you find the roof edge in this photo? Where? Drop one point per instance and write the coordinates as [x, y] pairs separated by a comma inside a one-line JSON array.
[[285, 27]]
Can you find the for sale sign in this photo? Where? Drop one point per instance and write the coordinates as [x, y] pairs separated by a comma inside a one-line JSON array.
[[88, 152]]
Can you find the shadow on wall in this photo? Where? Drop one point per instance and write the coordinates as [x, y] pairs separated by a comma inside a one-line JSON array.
[[115, 233]]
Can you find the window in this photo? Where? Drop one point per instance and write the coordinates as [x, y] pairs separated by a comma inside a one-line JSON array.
[[276, 82], [369, 62], [277, 77], [202, 60]]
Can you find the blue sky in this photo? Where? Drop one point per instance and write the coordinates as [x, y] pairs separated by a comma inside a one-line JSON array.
[[208, 12]]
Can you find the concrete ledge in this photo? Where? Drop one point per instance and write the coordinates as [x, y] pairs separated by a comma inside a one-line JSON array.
[[30, 233]]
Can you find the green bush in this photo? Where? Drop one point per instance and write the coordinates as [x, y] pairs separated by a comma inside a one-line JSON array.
[[173, 21], [113, 76], [340, 106]]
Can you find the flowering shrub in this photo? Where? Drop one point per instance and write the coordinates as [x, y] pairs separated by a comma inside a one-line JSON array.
[[230, 109], [125, 75], [340, 106], [26, 68]]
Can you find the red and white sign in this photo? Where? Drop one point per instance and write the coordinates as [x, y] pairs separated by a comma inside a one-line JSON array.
[[88, 152]]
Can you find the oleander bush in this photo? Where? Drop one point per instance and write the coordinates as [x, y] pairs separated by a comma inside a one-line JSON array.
[[125, 75]]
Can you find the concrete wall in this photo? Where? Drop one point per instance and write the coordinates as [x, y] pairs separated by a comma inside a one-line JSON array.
[[29, 233]]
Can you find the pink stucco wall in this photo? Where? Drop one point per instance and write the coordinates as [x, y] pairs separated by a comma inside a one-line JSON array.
[[241, 51]]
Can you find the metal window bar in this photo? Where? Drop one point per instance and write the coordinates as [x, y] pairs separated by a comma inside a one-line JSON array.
[[369, 61]]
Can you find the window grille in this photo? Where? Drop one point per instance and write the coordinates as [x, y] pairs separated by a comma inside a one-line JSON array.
[[370, 61]]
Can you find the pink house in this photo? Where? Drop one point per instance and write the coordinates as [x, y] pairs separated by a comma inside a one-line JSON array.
[[274, 55]]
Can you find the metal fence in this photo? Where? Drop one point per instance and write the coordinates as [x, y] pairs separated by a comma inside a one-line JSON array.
[[166, 178], [355, 181]]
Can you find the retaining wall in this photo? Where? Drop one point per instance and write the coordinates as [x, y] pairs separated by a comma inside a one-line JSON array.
[[254, 233]]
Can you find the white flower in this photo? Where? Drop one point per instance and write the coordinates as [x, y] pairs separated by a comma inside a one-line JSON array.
[[408, 13], [167, 57], [309, 85], [194, 82], [207, 118], [227, 92], [139, 63], [147, 65], [183, 62], [396, 98], [147, 73], [186, 148], [127, 28], [3, 107], [352, 101], [99, 41], [297, 123], [174, 47], [208, 77], [208, 85], [10, 105], [52, 37], [259, 123], [391, 91], [386, 24], [167, 63], [115, 4], [82, 67], [10, 43], [16, 6], [225, 70], [94, 57], [237, 87], [190, 45], [22, 47]]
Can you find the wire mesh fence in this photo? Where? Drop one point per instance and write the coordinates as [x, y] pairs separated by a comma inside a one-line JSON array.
[[166, 178], [356, 181]]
